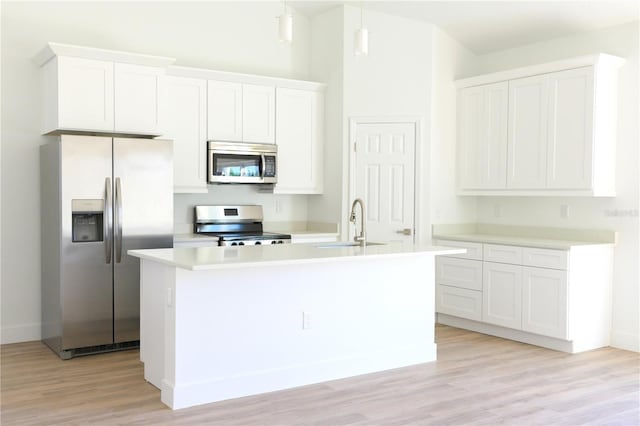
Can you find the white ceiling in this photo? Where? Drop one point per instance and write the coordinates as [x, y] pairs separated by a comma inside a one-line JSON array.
[[489, 26]]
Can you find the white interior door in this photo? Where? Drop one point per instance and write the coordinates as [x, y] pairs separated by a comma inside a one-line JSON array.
[[385, 179]]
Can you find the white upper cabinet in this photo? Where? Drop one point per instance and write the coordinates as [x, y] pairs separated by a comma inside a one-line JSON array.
[[570, 127], [241, 112], [186, 125], [104, 91], [483, 136], [224, 111], [78, 95], [300, 141], [138, 96], [561, 130], [528, 111], [258, 113]]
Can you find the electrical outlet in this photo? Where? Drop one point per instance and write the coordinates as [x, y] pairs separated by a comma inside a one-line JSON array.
[[278, 206], [306, 320], [497, 210], [564, 211]]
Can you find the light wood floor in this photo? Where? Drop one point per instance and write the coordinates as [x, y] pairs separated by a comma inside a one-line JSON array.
[[477, 380]]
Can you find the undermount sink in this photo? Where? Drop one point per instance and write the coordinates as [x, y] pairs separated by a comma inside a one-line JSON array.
[[347, 244]]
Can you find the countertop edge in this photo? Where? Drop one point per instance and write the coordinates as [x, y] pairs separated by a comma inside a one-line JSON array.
[[519, 241], [192, 266]]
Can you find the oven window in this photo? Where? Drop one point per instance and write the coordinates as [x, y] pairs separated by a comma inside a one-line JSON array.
[[236, 165]]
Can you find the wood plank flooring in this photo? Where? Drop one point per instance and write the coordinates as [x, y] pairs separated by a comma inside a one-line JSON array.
[[477, 380]]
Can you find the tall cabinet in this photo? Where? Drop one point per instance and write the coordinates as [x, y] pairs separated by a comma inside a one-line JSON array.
[[545, 130]]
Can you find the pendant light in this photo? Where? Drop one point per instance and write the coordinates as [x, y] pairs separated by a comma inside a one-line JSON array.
[[285, 25], [361, 40]]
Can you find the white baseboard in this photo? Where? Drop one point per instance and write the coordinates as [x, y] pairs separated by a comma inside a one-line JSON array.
[[624, 340], [215, 389], [20, 333]]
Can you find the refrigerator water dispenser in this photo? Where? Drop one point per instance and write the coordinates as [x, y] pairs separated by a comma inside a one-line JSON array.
[[87, 221]]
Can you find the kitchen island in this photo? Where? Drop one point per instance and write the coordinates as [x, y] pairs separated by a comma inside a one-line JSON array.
[[225, 322]]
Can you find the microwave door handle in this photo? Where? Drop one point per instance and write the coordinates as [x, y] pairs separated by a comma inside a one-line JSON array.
[[107, 228], [117, 222], [263, 166]]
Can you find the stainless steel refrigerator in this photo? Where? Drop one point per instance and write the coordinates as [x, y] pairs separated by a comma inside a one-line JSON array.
[[100, 196]]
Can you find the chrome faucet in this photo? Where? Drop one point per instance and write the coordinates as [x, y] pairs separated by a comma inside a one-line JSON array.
[[362, 237]]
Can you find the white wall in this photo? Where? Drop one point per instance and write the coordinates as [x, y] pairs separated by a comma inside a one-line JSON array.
[[393, 80], [450, 60], [619, 213], [327, 65], [230, 36]]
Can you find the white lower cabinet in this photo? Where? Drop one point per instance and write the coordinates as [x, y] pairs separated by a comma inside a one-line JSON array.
[[544, 302], [559, 299], [502, 294], [459, 282], [461, 273], [459, 302]]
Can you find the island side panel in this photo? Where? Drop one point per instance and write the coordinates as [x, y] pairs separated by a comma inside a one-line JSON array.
[[155, 280], [242, 331]]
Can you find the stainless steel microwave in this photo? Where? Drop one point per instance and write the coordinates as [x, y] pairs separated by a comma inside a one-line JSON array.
[[241, 162]]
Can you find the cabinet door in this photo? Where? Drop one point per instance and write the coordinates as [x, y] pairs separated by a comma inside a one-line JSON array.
[[224, 111], [299, 129], [186, 125], [570, 132], [544, 302], [138, 96], [85, 96], [482, 141], [258, 113], [527, 140], [502, 294]]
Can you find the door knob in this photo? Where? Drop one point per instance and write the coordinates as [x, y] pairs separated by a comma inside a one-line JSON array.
[[405, 231]]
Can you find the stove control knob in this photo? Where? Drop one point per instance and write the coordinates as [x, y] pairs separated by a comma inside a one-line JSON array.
[[274, 242], [258, 243], [234, 244], [280, 242], [240, 243]]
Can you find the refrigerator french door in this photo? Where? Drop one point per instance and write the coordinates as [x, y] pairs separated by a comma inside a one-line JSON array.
[[101, 196]]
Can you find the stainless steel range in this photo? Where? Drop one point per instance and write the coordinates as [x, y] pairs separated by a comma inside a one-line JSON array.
[[235, 225]]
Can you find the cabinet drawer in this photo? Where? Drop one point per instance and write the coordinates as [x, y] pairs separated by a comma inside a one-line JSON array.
[[502, 254], [474, 250], [461, 273], [545, 258], [459, 302]]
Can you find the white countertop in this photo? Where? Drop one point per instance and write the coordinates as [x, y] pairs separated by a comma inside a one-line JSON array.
[[204, 258], [516, 241]]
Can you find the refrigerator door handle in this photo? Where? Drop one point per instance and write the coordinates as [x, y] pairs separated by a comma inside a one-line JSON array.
[[118, 221], [108, 220]]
